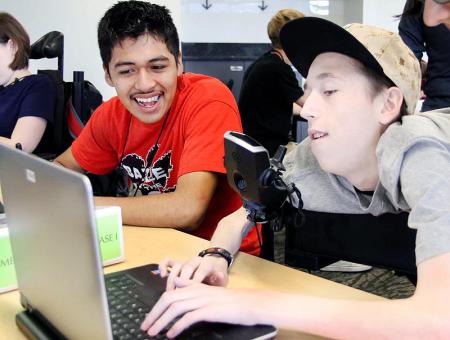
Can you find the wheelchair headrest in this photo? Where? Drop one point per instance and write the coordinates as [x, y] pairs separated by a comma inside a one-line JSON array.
[[50, 45]]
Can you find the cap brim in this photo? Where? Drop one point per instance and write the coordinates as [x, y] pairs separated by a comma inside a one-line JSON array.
[[305, 38]]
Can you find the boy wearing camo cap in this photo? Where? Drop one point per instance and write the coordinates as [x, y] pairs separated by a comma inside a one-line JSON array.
[[367, 152]]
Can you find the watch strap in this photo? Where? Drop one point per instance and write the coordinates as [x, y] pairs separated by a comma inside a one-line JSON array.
[[219, 252]]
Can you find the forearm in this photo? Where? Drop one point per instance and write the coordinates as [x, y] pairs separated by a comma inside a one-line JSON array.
[[166, 210], [7, 142], [28, 132], [425, 315], [26, 144], [67, 160], [230, 231], [347, 319]]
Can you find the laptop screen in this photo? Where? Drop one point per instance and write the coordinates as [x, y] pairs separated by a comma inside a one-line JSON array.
[[50, 212], [51, 222]]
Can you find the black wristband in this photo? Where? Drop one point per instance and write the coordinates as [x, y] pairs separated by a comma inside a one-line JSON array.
[[220, 252]]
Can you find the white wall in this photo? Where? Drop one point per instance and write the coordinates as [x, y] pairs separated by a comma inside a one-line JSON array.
[[226, 21], [242, 21], [78, 20], [381, 13]]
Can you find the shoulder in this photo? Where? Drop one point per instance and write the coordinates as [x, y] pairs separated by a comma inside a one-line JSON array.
[[197, 89], [432, 125], [38, 82], [428, 130], [112, 106], [270, 62], [276, 69], [34, 89], [33, 79], [41, 79], [112, 111], [269, 72], [199, 82]]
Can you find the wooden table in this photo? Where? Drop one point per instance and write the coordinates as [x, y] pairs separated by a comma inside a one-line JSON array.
[[151, 245]]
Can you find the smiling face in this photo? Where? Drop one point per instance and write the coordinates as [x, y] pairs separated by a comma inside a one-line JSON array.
[[144, 74], [342, 115]]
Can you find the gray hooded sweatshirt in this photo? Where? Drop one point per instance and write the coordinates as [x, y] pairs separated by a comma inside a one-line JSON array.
[[414, 176]]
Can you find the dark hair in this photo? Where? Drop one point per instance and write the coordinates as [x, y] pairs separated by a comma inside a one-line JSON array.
[[131, 19], [11, 29], [378, 82], [412, 8]]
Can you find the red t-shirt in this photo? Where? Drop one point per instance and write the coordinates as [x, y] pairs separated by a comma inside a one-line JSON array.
[[191, 140]]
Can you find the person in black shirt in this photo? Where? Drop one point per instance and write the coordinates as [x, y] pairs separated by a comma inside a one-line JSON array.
[[435, 41], [269, 90], [27, 101]]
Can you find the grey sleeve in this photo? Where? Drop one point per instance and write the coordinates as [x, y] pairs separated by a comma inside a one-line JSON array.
[[425, 185]]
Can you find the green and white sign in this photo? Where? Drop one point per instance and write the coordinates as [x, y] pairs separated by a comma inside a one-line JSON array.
[[7, 270], [110, 236]]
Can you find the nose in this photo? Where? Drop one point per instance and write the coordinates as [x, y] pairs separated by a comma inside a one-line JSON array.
[[309, 110], [145, 81]]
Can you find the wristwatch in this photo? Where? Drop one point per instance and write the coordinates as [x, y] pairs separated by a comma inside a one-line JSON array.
[[218, 252]]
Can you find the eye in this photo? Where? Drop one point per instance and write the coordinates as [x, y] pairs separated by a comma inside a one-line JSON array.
[[329, 92], [158, 67], [125, 71]]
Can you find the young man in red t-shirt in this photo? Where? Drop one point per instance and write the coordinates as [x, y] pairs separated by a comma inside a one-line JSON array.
[[164, 128]]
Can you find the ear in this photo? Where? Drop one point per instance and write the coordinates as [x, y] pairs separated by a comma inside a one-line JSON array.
[[12, 46], [108, 77], [180, 68], [392, 103]]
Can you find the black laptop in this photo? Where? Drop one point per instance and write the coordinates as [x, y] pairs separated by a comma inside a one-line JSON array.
[[50, 214]]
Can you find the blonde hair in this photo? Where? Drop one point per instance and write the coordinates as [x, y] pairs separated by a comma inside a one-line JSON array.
[[278, 21]]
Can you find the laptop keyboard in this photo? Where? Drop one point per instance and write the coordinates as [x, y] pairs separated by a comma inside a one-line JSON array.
[[125, 309], [127, 312]]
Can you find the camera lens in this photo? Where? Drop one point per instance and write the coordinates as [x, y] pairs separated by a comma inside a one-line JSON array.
[[242, 185], [240, 182]]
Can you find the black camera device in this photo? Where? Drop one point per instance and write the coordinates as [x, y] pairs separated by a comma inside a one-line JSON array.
[[256, 177]]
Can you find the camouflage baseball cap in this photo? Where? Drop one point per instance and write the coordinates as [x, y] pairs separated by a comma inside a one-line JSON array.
[[381, 50]]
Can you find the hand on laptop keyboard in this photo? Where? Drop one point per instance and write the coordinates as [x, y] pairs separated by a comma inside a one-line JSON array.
[[209, 269], [193, 302], [127, 312]]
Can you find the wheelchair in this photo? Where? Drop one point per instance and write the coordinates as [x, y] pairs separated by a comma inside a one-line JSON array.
[[75, 101]]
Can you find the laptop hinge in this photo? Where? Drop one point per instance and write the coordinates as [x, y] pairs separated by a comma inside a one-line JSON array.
[[35, 327]]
